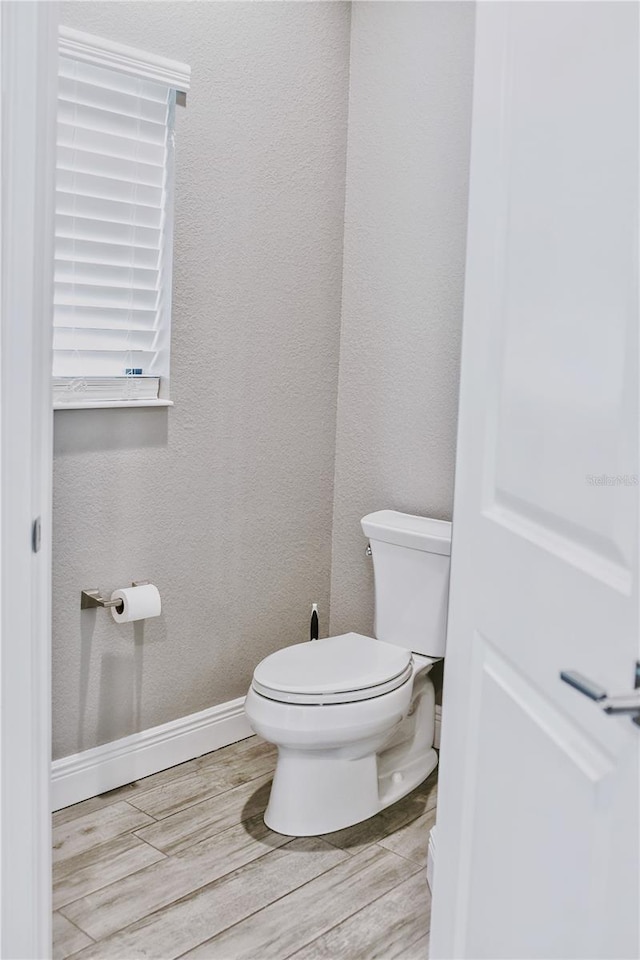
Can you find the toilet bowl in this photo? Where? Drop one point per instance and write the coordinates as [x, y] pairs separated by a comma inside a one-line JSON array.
[[353, 716]]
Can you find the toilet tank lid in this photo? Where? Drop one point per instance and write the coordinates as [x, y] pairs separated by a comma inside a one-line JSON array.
[[406, 530]]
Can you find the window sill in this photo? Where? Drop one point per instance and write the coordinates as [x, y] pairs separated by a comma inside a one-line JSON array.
[[111, 404]]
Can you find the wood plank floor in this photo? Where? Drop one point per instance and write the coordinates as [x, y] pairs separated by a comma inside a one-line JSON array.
[[181, 865]]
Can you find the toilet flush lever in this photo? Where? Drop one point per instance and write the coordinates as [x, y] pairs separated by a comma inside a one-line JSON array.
[[627, 703], [367, 552]]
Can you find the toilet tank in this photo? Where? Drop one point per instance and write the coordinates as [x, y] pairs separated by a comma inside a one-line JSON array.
[[411, 558]]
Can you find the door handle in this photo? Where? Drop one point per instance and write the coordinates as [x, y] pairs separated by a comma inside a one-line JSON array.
[[626, 703]]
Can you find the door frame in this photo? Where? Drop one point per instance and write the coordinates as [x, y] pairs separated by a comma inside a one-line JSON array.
[[28, 70]]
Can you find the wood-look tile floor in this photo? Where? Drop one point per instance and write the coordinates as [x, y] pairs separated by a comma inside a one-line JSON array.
[[181, 865]]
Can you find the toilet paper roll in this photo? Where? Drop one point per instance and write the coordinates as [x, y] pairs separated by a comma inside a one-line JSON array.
[[140, 603]]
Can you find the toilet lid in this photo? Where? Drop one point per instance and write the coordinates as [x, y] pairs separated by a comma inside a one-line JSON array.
[[339, 669]]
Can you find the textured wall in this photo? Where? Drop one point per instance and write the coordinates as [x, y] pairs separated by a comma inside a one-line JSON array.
[[405, 219], [225, 501]]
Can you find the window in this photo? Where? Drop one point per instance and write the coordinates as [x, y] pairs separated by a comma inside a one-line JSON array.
[[114, 220]]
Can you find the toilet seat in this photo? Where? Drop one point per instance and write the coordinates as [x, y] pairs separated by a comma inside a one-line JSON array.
[[342, 669]]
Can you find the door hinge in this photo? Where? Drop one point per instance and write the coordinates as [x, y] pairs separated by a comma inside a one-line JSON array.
[[36, 534]]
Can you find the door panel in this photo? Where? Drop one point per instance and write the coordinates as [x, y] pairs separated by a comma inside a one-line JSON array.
[[556, 760], [567, 271]]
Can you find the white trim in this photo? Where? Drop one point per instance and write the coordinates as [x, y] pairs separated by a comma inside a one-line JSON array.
[[28, 64], [111, 404], [116, 56], [114, 764], [431, 857]]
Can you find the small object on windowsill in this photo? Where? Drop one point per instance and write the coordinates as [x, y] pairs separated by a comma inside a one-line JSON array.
[[75, 390]]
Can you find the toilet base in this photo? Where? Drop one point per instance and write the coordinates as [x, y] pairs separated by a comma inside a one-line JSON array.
[[313, 794]]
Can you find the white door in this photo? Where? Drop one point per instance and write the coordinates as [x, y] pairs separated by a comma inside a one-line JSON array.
[[28, 81], [537, 833]]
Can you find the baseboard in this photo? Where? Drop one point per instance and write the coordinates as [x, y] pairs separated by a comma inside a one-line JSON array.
[[114, 764], [431, 857]]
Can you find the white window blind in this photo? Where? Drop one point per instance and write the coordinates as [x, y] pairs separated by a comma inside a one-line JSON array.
[[113, 243]]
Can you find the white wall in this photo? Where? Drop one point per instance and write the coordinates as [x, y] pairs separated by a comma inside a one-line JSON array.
[[225, 501], [405, 222]]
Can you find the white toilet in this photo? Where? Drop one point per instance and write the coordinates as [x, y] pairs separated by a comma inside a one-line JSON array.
[[353, 717]]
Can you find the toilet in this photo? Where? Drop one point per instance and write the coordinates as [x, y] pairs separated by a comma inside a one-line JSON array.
[[353, 716]]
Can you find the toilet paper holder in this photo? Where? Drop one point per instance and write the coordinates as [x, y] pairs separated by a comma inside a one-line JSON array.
[[91, 598]]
